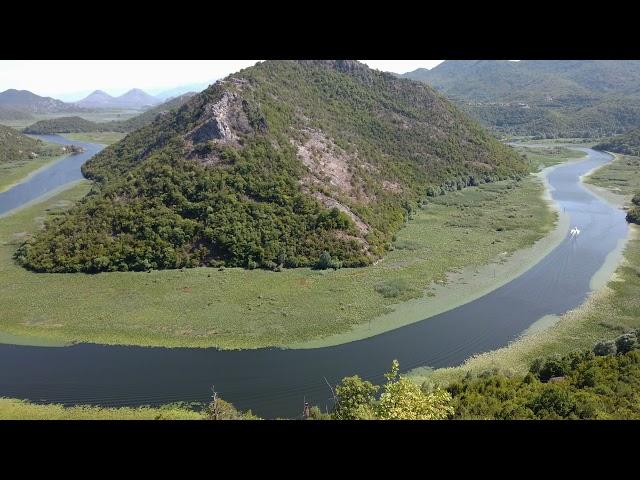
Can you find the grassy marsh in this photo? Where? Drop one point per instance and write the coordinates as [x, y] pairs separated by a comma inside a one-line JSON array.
[[14, 409], [236, 308]]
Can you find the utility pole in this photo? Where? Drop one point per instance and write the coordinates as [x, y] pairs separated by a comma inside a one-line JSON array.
[[214, 402]]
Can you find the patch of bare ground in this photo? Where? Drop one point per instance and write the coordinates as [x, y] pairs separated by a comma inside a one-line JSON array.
[[329, 165], [221, 123], [393, 187], [330, 202]]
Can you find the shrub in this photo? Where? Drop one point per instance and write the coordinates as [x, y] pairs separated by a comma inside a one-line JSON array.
[[325, 261], [627, 342], [251, 264], [555, 366], [604, 348], [633, 215], [393, 288]]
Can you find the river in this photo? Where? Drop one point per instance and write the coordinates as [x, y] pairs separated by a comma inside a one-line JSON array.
[[50, 177], [275, 382]]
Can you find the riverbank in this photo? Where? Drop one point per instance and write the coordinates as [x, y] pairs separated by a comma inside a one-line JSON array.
[[236, 308], [14, 409], [12, 173], [463, 285], [102, 138], [616, 182], [613, 307]]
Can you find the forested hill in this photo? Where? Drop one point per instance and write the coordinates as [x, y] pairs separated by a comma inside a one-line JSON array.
[[284, 164], [532, 80], [15, 146], [547, 98], [628, 144], [77, 124]]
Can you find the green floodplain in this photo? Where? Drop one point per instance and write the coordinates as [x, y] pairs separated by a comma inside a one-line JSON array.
[[455, 238], [612, 309]]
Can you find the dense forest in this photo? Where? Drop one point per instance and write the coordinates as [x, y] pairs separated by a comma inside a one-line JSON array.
[[77, 124], [598, 384], [284, 164], [543, 98], [627, 144], [17, 147]]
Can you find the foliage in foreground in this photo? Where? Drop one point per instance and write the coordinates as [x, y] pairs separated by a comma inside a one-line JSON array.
[[401, 399], [602, 383]]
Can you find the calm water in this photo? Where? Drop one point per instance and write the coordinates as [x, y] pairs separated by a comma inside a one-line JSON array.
[[275, 382], [49, 178]]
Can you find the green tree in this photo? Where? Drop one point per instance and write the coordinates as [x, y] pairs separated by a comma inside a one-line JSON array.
[[402, 399], [603, 348], [625, 343], [356, 398]]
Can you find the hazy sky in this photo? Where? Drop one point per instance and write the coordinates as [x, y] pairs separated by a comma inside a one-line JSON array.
[[73, 79]]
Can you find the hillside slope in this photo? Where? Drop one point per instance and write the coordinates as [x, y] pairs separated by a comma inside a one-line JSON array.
[[26, 101], [547, 98], [627, 144], [272, 166], [15, 146]]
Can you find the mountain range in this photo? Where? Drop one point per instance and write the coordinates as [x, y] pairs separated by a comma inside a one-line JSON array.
[[77, 124], [21, 104], [280, 165], [553, 98], [26, 101], [134, 98]]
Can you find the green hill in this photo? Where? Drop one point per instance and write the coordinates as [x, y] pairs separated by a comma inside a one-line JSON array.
[[545, 98], [271, 167], [15, 146], [628, 143], [63, 125]]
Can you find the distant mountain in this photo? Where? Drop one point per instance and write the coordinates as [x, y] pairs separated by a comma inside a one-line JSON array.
[[26, 101], [531, 80], [181, 90], [12, 114], [283, 164], [78, 124], [543, 97], [137, 98], [134, 98], [97, 99]]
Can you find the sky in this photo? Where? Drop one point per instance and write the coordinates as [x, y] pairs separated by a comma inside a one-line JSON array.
[[71, 80]]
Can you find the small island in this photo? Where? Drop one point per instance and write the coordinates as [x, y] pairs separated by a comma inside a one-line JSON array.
[[73, 149]]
